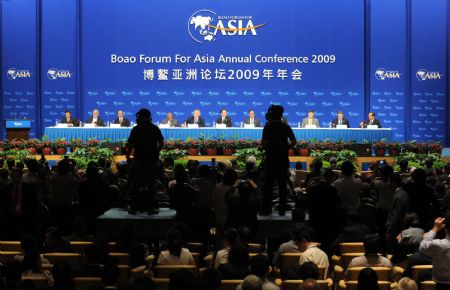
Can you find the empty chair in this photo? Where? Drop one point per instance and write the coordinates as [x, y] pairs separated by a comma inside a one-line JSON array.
[[73, 259], [79, 246], [163, 271], [161, 283], [295, 284], [288, 259], [195, 247], [351, 248], [7, 255], [428, 285], [85, 283], [10, 246], [417, 270], [229, 284]]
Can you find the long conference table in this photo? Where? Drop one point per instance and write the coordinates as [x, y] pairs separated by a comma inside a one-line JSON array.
[[119, 134]]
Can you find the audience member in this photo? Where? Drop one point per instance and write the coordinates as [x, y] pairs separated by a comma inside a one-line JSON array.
[[371, 257], [367, 279], [349, 188], [230, 237], [175, 254], [406, 283], [439, 251], [238, 263]]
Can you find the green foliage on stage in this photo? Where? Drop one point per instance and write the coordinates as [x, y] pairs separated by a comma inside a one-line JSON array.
[[340, 156], [173, 153], [418, 160], [243, 154], [84, 155], [16, 154]]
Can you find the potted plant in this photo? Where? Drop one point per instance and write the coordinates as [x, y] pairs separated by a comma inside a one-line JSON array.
[[32, 146], [211, 146], [192, 146], [304, 148], [394, 148], [435, 148], [380, 148], [46, 147], [93, 142], [228, 147], [60, 146]]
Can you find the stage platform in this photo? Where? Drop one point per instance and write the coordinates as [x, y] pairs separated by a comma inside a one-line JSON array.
[[155, 226]]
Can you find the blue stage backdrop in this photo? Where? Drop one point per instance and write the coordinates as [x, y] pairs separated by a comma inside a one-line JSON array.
[[388, 72], [19, 61], [428, 69], [387, 56], [319, 30], [58, 59]]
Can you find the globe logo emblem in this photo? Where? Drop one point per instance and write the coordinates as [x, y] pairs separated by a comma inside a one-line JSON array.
[[52, 74], [421, 75], [12, 73], [199, 26], [380, 74]]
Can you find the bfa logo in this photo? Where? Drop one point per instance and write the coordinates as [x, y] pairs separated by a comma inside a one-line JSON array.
[[53, 74], [14, 74], [205, 24], [381, 74], [423, 75]]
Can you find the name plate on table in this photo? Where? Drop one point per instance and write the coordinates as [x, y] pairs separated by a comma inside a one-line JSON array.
[[62, 125], [89, 126], [341, 126], [17, 124], [164, 126], [114, 125], [372, 126], [249, 126], [221, 126], [192, 125], [310, 127]]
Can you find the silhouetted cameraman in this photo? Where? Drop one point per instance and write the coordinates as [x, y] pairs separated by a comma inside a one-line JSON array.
[[146, 140], [276, 163]]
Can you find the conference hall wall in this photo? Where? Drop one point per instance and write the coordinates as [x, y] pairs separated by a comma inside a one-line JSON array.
[[387, 56]]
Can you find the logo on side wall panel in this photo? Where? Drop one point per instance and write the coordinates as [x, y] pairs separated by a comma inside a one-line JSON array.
[[54, 74], [382, 74], [423, 75], [14, 74]]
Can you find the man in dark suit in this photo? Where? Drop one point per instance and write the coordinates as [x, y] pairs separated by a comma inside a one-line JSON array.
[[95, 119], [370, 121], [196, 119], [124, 122], [340, 120], [251, 119], [224, 119], [71, 122], [170, 120]]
